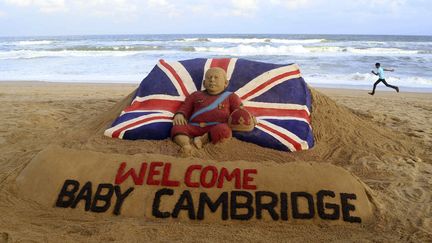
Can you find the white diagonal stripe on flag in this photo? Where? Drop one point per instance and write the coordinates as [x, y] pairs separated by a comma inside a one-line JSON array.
[[185, 75], [303, 144], [143, 124], [231, 67], [138, 111], [252, 89], [172, 79], [158, 97], [109, 132], [182, 73], [281, 118], [275, 105], [277, 137]]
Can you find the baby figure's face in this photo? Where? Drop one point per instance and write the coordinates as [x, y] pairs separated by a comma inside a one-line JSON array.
[[215, 81]]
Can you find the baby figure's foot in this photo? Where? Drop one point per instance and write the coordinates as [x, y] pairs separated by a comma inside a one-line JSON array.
[[200, 141], [186, 151], [197, 142]]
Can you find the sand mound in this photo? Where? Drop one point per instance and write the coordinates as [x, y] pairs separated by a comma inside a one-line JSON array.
[[341, 137]]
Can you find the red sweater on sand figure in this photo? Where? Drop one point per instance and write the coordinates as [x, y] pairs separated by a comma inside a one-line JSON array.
[[213, 122], [204, 114]]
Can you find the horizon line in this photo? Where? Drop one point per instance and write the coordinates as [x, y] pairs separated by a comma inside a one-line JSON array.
[[232, 34]]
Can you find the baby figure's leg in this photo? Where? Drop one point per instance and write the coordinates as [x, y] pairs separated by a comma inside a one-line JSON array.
[[220, 133], [216, 134], [200, 141], [182, 134], [185, 146]]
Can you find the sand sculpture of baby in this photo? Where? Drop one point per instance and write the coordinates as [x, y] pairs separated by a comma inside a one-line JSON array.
[[203, 117]]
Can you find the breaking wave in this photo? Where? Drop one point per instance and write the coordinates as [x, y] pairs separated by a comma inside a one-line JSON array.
[[253, 40], [109, 48], [239, 50], [29, 54], [301, 49], [33, 42]]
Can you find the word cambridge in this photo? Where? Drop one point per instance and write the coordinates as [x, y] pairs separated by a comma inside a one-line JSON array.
[[246, 202]]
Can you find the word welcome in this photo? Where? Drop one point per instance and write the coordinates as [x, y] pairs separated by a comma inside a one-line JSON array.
[[158, 174]]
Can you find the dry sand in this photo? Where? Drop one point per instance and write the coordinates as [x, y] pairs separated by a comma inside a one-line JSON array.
[[385, 140]]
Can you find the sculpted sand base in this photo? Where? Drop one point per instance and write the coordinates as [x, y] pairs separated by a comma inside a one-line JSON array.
[[165, 187]]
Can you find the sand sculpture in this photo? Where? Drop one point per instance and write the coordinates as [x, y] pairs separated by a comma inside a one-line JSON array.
[[204, 115]]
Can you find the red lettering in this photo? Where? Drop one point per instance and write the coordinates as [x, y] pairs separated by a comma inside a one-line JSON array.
[[247, 179], [225, 174], [165, 176], [138, 179], [204, 173], [188, 175], [153, 172]]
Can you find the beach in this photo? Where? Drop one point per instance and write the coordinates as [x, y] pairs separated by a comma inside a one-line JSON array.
[[385, 140]]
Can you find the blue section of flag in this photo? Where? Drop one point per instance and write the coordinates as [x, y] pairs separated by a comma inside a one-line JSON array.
[[289, 92], [261, 138], [246, 71], [154, 131], [195, 69], [299, 128], [156, 82]]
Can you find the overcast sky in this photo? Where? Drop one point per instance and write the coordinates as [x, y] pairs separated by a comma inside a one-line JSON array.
[[83, 17]]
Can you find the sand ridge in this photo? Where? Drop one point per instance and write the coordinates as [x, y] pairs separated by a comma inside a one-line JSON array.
[[395, 165]]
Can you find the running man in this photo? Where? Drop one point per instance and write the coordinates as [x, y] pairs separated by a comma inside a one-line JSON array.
[[380, 74]]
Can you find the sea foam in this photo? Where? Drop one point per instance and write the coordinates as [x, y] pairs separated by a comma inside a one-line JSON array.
[[33, 42], [302, 49]]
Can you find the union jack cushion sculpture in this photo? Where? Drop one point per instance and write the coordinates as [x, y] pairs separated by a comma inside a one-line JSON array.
[[275, 94]]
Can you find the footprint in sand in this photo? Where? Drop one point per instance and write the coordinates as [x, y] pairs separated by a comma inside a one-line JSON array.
[[415, 193], [427, 224], [4, 237]]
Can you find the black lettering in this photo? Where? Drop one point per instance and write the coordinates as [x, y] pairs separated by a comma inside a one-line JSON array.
[[321, 206], [106, 199], [295, 208], [347, 207], [284, 206], [120, 198], [184, 197], [84, 194], [68, 192], [156, 203], [266, 206], [213, 206], [236, 205]]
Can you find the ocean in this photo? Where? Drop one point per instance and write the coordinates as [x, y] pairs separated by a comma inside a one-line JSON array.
[[325, 60]]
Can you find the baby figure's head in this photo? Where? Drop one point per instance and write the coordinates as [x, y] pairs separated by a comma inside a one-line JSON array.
[[215, 81]]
